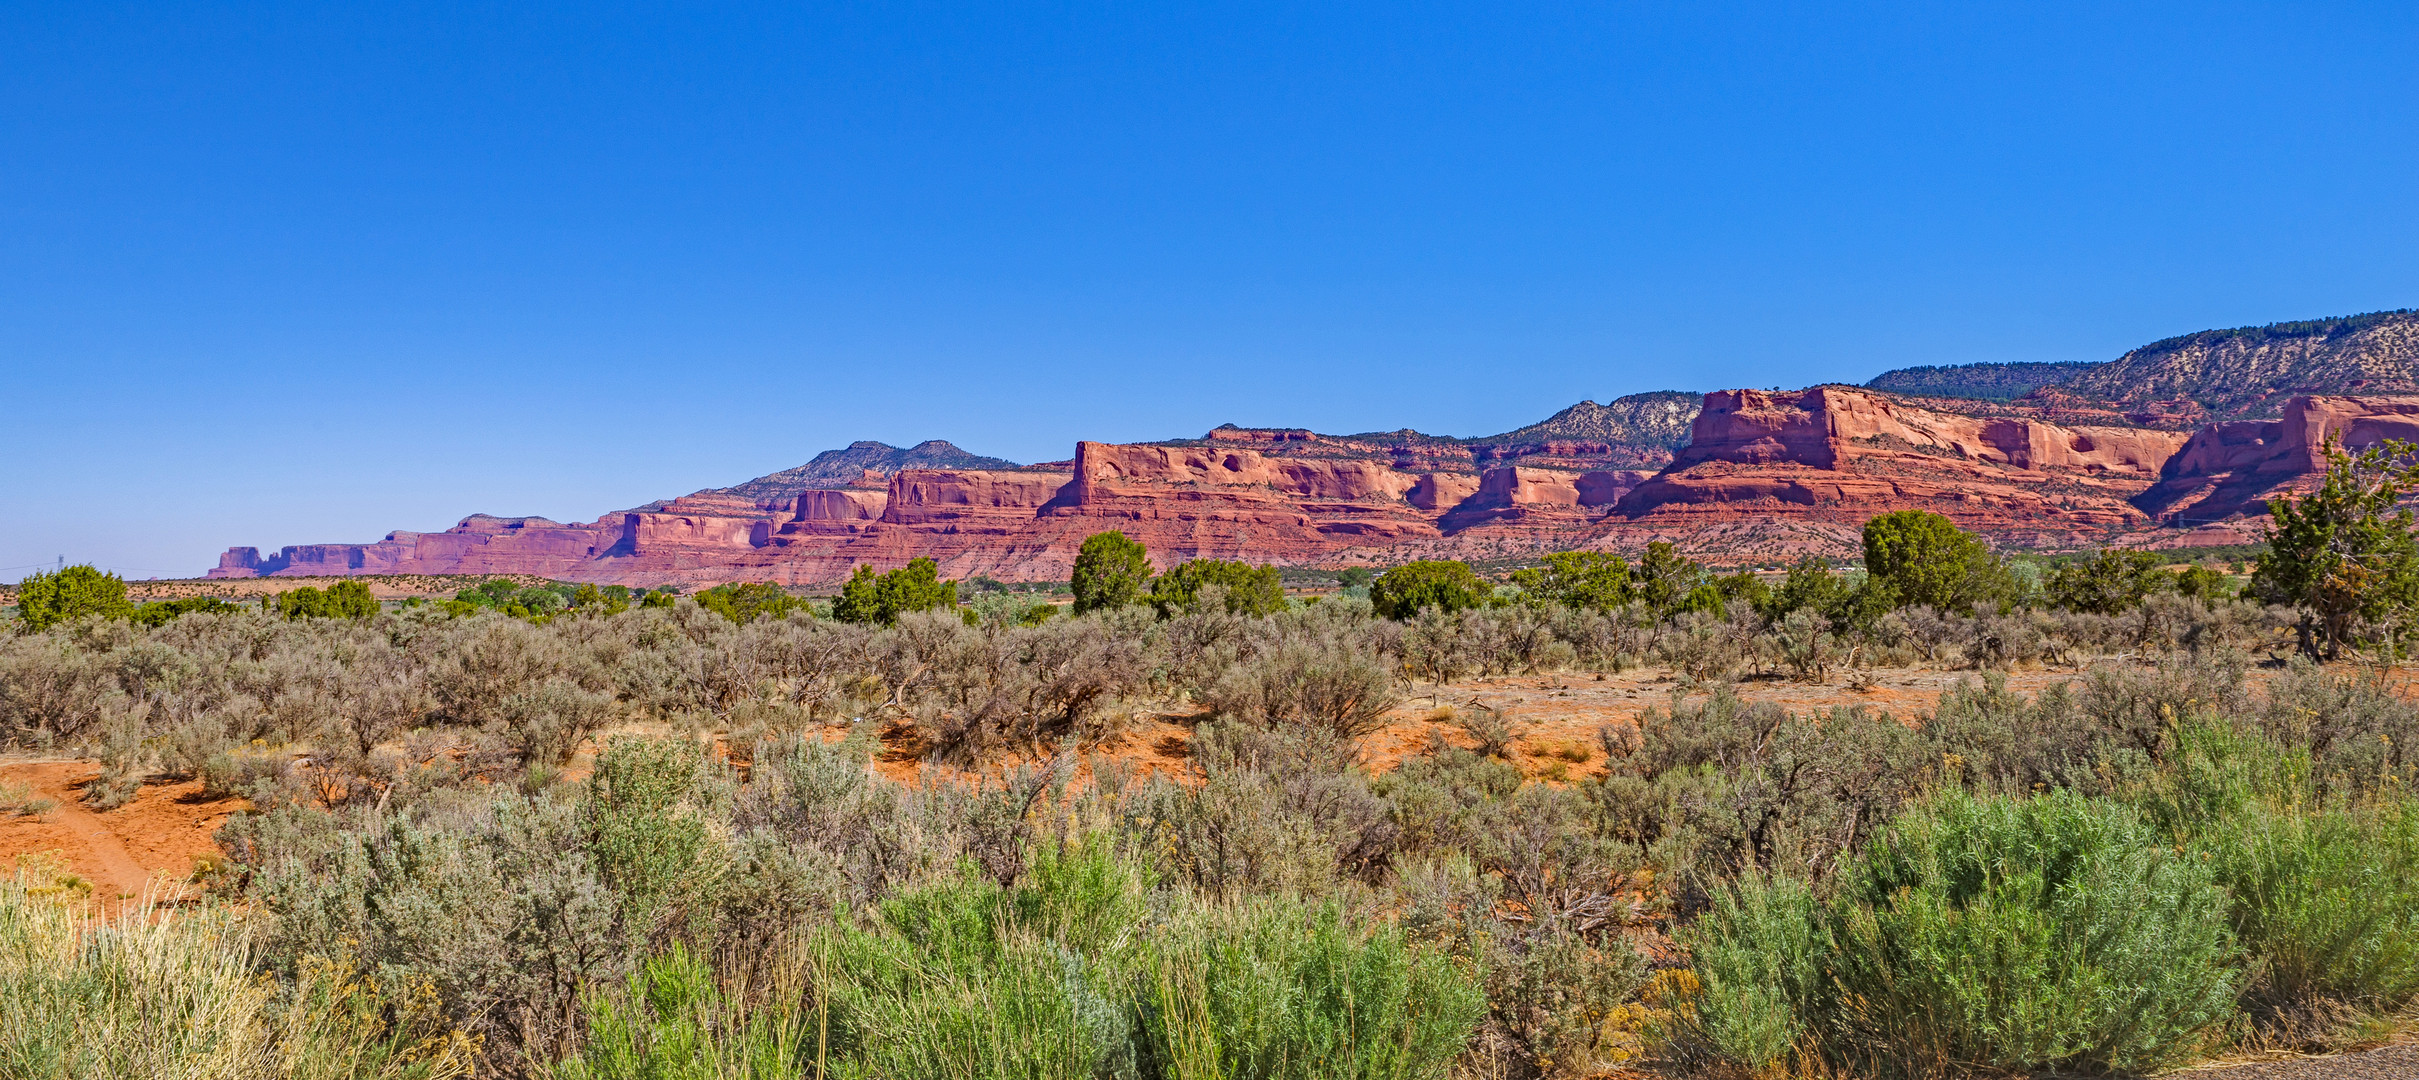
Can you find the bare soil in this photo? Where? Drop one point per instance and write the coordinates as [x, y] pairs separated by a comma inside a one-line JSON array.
[[160, 833]]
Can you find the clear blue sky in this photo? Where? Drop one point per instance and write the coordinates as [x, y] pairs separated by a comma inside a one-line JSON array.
[[283, 275]]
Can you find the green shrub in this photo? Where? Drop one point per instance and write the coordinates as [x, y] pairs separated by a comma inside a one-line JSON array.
[[965, 978], [2323, 893], [2345, 554], [2327, 905], [1408, 589], [46, 599], [1281, 991], [1925, 558], [161, 613], [1669, 583], [2110, 582], [672, 1023], [1758, 955], [1077, 973], [343, 600], [1578, 579], [2054, 932], [1243, 589], [747, 602], [880, 599], [1109, 572], [1976, 934], [648, 805]]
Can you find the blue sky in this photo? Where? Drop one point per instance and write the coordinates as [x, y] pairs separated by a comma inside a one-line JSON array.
[[276, 275]]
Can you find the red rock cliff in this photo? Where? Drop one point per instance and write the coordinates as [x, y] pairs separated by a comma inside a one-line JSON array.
[[1844, 454], [2232, 469]]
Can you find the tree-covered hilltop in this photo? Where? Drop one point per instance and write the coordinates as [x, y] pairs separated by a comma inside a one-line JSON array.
[[1990, 382], [2250, 372], [1655, 418], [836, 468]]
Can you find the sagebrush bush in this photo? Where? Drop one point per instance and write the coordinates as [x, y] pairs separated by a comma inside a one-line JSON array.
[[2055, 932], [497, 906], [1717, 787], [1332, 687], [2323, 890], [2327, 905], [1278, 812], [2361, 737], [1280, 991], [1758, 957], [671, 1020]]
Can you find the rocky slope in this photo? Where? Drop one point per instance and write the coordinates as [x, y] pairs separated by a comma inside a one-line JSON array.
[[862, 464], [2252, 372], [1640, 431]]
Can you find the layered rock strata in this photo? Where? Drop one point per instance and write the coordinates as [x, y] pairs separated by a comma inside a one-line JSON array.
[[1761, 472], [1838, 453], [2230, 470], [1266, 495]]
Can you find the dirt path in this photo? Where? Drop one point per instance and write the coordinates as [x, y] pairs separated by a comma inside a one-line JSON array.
[[160, 832], [2389, 1063]]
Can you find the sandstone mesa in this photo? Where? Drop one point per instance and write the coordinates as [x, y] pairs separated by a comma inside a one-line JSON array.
[[2115, 452]]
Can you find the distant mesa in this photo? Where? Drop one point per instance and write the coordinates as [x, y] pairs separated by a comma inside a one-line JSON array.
[[2194, 432]]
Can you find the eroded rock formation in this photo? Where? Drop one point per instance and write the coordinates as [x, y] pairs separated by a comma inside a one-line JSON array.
[[1839, 453], [2230, 470], [1762, 473]]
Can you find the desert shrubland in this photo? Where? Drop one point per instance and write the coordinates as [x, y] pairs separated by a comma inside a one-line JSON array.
[[606, 838]]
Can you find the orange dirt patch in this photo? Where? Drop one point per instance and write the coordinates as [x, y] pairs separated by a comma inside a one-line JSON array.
[[162, 831]]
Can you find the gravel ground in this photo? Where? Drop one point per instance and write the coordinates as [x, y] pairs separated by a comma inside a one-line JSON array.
[[2390, 1063]]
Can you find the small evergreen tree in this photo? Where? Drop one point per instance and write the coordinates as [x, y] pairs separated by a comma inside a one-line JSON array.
[[1250, 590], [1670, 582], [162, 612], [880, 599], [1408, 589], [351, 600], [2344, 553], [746, 602], [47, 599], [1109, 572], [1925, 558], [1578, 579], [2108, 583], [343, 600]]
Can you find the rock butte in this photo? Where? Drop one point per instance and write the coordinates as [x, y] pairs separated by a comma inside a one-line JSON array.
[[1763, 473]]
